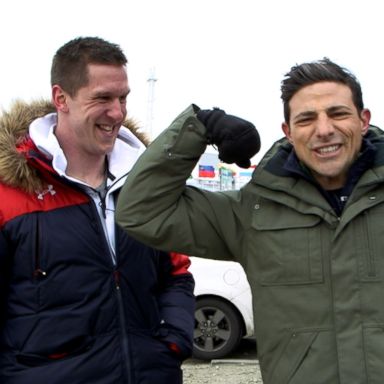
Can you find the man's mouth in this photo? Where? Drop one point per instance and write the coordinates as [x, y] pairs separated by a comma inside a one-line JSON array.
[[105, 128], [328, 150]]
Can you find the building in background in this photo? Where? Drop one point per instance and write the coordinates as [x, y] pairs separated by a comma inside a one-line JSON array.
[[211, 174]]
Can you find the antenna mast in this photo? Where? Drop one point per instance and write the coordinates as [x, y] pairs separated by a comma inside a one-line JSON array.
[[151, 101]]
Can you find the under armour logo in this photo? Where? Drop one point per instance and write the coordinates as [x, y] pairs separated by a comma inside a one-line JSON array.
[[40, 195]]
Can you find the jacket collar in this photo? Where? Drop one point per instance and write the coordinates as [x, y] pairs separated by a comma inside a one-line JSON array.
[[291, 183], [127, 147], [337, 198], [364, 161], [17, 149]]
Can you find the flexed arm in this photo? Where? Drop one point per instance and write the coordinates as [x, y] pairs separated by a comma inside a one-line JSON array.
[[157, 207]]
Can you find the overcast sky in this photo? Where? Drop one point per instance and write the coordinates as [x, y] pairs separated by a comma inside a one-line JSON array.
[[230, 54]]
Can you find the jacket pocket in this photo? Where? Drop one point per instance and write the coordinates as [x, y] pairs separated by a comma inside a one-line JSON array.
[[307, 356], [71, 349], [369, 243], [151, 353], [374, 352], [287, 245], [173, 340]]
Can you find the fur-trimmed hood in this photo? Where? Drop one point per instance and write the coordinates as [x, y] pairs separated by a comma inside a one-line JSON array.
[[15, 170]]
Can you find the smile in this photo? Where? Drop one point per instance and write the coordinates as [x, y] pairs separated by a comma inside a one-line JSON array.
[[327, 150], [105, 128]]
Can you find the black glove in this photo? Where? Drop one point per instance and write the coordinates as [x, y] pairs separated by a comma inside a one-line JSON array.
[[237, 140]]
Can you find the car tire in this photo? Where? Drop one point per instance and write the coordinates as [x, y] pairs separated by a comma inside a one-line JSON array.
[[218, 329]]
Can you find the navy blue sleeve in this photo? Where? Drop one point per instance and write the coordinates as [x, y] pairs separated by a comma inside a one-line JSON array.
[[177, 303]]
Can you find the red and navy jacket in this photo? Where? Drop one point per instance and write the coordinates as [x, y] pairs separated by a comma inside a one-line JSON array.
[[69, 314]]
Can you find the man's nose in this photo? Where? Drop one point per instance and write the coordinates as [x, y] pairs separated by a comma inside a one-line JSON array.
[[324, 126], [117, 110]]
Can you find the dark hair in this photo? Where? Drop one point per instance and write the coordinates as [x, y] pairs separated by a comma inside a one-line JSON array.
[[69, 65], [322, 70]]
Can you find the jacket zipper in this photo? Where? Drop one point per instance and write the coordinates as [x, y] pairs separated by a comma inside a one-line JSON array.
[[116, 276], [125, 337], [38, 273]]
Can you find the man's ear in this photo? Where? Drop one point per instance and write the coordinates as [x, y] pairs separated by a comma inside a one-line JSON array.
[[59, 98], [287, 131], [365, 117]]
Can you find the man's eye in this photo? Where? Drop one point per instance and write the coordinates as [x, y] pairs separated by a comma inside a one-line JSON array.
[[340, 115], [101, 98], [304, 121]]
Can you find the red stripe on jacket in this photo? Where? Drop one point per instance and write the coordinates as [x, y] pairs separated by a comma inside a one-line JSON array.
[[180, 263]]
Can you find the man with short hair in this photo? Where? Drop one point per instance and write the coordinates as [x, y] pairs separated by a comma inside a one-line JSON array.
[[307, 228], [81, 300]]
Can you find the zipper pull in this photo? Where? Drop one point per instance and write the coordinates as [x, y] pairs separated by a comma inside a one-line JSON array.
[[103, 207], [39, 273], [116, 275]]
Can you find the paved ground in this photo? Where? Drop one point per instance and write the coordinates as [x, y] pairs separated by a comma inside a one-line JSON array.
[[240, 368]]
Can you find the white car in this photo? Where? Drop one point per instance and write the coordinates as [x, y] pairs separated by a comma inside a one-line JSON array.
[[223, 314]]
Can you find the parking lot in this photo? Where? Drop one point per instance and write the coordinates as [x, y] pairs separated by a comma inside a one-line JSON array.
[[241, 367]]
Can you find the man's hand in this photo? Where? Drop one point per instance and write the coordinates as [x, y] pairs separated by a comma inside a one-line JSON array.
[[237, 140]]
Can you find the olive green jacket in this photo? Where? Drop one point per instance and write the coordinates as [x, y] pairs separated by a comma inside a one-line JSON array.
[[317, 280]]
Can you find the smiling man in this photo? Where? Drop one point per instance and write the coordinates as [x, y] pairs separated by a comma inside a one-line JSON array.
[[80, 300], [307, 228], [326, 130], [89, 118]]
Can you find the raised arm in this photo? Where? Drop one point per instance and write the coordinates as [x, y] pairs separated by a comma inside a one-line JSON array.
[[157, 207]]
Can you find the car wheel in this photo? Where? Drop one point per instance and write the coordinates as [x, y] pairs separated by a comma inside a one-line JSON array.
[[218, 329]]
